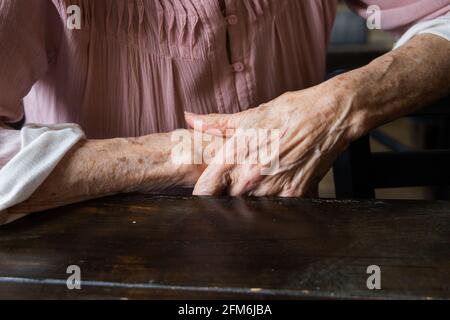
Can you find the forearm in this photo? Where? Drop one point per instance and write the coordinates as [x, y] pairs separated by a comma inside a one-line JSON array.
[[395, 84], [98, 168]]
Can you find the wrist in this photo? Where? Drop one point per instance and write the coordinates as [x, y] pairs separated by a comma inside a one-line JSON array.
[[151, 167], [178, 158], [350, 94]]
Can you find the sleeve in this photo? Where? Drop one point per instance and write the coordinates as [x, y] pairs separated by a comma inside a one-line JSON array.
[[42, 147], [439, 27], [23, 59], [27, 157], [23, 52], [398, 16]]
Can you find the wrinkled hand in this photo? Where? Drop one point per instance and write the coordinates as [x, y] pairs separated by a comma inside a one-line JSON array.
[[314, 126]]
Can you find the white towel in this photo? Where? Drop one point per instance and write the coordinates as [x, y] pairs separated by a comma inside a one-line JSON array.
[[439, 27], [42, 149]]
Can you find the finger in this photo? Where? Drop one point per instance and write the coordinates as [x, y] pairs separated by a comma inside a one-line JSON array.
[[302, 185], [312, 192], [270, 187], [214, 124], [246, 179], [214, 180]]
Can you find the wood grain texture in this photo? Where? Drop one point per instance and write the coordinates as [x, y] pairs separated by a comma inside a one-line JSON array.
[[172, 247]]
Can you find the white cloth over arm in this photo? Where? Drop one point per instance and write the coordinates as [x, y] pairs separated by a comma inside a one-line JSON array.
[[42, 149], [439, 26], [27, 157]]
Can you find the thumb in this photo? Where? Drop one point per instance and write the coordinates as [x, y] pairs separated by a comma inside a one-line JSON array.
[[214, 124], [213, 181]]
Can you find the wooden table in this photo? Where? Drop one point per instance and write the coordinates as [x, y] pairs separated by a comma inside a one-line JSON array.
[[189, 248]]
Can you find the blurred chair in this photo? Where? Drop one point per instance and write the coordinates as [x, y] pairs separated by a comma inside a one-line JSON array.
[[358, 171], [348, 29]]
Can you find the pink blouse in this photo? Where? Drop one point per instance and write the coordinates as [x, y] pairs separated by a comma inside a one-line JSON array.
[[136, 65]]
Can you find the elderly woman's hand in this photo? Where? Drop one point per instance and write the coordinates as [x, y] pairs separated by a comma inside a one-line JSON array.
[[317, 124], [308, 129]]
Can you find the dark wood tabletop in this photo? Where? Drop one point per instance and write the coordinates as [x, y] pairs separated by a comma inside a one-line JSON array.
[[168, 247]]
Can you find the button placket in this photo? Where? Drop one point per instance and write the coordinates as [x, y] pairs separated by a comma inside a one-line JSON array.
[[232, 20], [238, 67], [237, 34]]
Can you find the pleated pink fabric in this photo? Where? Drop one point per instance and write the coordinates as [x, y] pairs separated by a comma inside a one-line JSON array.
[[135, 66], [399, 15]]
